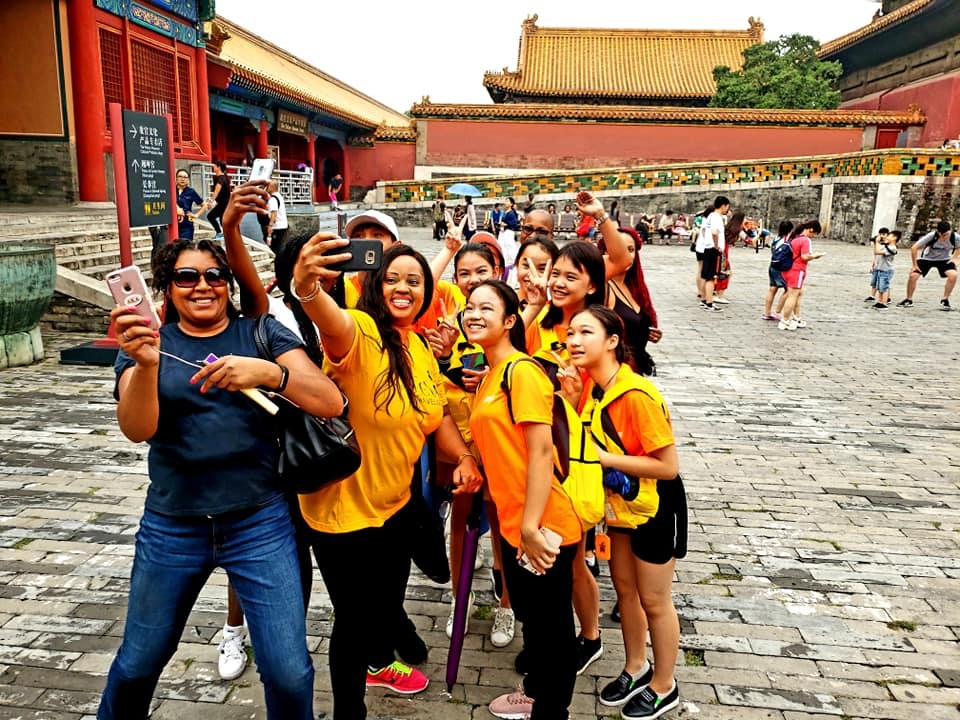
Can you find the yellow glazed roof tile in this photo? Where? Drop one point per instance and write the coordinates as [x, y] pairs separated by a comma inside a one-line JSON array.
[[258, 62], [612, 63], [685, 115]]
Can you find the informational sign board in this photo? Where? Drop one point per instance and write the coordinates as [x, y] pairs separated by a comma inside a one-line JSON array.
[[148, 169]]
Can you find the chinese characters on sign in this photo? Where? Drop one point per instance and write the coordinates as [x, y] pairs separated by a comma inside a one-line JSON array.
[[148, 169]]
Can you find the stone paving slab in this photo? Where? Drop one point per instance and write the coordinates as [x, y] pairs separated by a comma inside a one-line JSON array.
[[823, 578]]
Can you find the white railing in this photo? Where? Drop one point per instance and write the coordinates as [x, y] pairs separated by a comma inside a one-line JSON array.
[[295, 186]]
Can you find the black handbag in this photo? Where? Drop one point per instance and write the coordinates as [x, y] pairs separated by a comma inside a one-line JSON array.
[[314, 451]]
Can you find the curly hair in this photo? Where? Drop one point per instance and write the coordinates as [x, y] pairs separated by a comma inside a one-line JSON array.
[[399, 373], [165, 261]]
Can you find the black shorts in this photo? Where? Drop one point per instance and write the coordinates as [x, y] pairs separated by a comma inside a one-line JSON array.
[[664, 536], [941, 265], [699, 256], [711, 264]]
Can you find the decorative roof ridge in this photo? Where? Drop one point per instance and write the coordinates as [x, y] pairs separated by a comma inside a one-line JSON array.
[[300, 95], [541, 111], [876, 25], [646, 32], [266, 44]]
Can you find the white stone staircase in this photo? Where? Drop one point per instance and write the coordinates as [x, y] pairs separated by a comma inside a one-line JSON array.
[[87, 247]]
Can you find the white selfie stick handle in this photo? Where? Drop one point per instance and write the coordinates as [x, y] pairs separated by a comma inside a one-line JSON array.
[[262, 400]]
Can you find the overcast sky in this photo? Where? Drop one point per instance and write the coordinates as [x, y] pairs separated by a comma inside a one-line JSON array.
[[396, 51]]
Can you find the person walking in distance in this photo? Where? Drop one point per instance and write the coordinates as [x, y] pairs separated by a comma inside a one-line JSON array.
[[884, 251], [714, 245], [336, 183], [220, 192], [796, 276], [939, 250], [277, 226]]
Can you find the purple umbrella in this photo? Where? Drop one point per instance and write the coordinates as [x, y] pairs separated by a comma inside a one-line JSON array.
[[471, 537]]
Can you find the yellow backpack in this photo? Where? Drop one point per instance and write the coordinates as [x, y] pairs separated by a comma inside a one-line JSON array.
[[576, 464], [619, 512]]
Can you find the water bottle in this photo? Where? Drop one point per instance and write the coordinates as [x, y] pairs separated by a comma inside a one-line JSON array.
[[616, 481]]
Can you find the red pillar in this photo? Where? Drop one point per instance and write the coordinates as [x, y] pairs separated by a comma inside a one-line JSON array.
[[90, 117], [262, 151], [203, 109], [312, 155], [345, 171]]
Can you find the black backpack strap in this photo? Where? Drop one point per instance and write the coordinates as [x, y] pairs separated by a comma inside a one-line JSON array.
[[260, 337]]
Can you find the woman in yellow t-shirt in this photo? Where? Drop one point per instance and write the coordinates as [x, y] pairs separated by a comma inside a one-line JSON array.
[[463, 366], [360, 527], [642, 559], [518, 457]]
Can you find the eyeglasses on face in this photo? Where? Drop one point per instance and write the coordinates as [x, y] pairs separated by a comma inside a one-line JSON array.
[[190, 277], [528, 228]]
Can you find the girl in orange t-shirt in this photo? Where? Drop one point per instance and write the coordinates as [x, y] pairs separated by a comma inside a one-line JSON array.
[[518, 457], [642, 559]]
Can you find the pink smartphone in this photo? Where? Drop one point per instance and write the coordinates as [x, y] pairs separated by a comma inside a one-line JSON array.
[[553, 542], [129, 290]]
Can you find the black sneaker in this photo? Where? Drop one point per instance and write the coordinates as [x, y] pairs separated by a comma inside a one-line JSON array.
[[410, 646], [870, 299], [587, 652], [619, 691], [497, 578], [905, 303], [615, 613], [593, 567], [648, 704], [945, 304], [880, 306], [521, 663]]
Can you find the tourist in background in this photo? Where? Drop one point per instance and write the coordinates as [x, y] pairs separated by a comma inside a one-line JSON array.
[[220, 196]]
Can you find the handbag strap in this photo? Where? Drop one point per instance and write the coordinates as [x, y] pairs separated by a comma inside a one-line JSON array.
[[260, 337]]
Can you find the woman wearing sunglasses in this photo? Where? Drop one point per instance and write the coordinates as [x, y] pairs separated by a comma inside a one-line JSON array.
[[213, 499]]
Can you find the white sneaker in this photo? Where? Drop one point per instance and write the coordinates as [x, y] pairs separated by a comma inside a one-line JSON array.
[[800, 323], [453, 607], [792, 325], [504, 627], [233, 655], [722, 301], [478, 560]]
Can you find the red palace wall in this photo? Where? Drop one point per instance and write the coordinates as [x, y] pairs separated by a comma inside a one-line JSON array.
[[385, 161], [582, 145], [939, 98]]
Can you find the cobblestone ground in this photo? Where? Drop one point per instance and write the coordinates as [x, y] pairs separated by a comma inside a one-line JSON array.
[[823, 577]]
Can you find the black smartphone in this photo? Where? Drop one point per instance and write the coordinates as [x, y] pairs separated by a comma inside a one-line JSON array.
[[365, 255]]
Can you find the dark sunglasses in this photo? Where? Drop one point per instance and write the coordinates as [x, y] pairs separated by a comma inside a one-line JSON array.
[[190, 277]]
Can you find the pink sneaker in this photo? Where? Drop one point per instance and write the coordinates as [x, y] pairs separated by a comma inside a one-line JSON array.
[[398, 677], [512, 706]]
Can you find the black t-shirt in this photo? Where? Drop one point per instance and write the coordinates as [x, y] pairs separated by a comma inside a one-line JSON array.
[[214, 452], [221, 189]]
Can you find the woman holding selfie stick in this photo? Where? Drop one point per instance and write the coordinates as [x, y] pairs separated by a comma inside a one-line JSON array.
[[210, 504], [537, 520], [392, 381]]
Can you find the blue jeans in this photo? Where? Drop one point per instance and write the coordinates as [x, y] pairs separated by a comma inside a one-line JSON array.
[[173, 558]]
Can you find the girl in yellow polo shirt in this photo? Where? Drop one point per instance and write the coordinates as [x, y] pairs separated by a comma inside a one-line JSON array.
[[518, 457], [649, 532], [360, 527]]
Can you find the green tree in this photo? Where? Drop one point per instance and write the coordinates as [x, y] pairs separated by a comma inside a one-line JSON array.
[[784, 73]]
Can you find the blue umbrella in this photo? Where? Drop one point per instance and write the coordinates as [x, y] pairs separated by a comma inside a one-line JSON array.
[[464, 189]]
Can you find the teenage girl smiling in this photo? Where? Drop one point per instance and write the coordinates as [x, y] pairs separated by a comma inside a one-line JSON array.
[[518, 455]]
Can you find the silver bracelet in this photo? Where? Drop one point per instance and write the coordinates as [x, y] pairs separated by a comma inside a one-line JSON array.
[[603, 218], [309, 296]]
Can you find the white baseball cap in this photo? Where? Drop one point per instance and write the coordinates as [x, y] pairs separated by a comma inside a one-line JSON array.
[[373, 217]]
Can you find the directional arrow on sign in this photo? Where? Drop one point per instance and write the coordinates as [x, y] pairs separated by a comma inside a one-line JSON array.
[[135, 165], [133, 131]]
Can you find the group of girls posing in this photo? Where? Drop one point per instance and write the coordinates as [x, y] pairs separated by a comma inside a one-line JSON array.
[[219, 502]]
